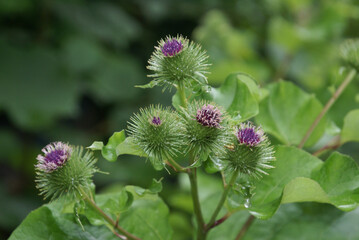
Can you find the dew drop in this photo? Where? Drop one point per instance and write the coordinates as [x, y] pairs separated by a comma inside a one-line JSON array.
[[247, 203]]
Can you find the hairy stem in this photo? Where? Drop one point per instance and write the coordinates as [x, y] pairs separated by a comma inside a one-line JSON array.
[[223, 199], [106, 217], [201, 234], [245, 227], [332, 100]]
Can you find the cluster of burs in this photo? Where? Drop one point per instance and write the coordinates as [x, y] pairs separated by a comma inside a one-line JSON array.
[[195, 129]]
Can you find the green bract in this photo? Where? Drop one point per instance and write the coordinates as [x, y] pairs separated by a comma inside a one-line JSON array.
[[158, 132], [184, 67], [206, 132], [350, 52], [72, 178]]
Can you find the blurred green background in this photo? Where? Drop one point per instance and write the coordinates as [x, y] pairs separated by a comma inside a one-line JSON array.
[[68, 70]]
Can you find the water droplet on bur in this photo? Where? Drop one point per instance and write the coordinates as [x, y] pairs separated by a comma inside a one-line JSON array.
[[247, 203]]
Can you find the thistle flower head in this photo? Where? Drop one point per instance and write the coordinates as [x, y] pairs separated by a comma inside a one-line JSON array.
[[349, 51], [171, 47], [64, 170], [206, 132], [249, 135], [209, 116], [158, 132], [250, 151], [55, 156], [177, 62]]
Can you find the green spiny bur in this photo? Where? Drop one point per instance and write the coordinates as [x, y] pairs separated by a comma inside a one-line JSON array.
[[178, 62], [349, 51], [158, 132], [206, 131], [75, 174], [250, 151]]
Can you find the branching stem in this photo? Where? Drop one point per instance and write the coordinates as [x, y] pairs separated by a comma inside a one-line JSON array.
[[227, 187], [245, 227], [332, 100], [178, 168], [201, 234], [106, 217]]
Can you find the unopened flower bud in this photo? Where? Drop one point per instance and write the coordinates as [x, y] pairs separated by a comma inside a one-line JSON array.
[[158, 133]]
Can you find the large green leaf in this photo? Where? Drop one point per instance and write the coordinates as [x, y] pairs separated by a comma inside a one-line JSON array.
[[48, 222], [350, 130], [146, 218], [310, 221], [117, 145], [301, 177], [288, 112]]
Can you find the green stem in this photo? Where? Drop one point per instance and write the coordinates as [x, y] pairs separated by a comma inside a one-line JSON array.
[[175, 165], [245, 227], [327, 106], [106, 217], [201, 234], [223, 199], [182, 95]]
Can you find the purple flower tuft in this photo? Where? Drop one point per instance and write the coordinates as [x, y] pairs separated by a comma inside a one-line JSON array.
[[156, 121], [249, 135], [171, 47], [55, 156], [209, 116]]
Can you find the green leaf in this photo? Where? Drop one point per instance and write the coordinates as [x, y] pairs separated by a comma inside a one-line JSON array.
[[48, 222], [151, 84], [113, 204], [156, 186], [213, 164], [129, 147], [309, 190], [145, 215], [148, 217], [299, 176], [97, 145], [117, 145], [350, 130], [294, 221], [288, 112], [239, 95], [339, 178], [109, 150]]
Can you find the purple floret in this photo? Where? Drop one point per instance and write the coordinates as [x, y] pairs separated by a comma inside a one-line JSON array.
[[171, 47], [55, 156], [209, 116], [249, 135], [156, 121]]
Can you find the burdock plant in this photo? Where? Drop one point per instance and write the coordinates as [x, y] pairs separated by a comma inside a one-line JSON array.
[[203, 129]]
